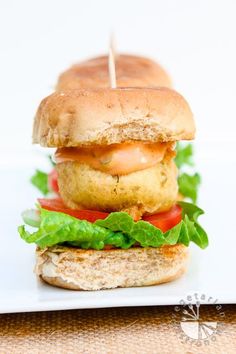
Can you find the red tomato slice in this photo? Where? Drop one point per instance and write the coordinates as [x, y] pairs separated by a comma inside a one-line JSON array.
[[57, 204], [163, 221], [53, 181], [166, 220]]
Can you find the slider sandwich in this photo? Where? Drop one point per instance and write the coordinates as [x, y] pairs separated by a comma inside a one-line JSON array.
[[116, 221], [131, 71]]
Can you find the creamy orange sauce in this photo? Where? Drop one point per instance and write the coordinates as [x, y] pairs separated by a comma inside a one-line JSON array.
[[116, 159]]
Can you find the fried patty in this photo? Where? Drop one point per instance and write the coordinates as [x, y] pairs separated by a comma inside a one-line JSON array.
[[151, 190]]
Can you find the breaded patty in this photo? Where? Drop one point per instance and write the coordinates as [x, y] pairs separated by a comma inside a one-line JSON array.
[[151, 190]]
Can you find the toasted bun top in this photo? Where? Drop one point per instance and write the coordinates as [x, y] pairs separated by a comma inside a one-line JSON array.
[[109, 116], [131, 71]]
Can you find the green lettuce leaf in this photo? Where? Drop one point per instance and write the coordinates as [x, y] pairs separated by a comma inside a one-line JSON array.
[[148, 235], [40, 181], [184, 155], [198, 235], [118, 229], [188, 185], [56, 228]]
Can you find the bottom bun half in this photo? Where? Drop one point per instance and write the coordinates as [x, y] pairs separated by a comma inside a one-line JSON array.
[[78, 269]]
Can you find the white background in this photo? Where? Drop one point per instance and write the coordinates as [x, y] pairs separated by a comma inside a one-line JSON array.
[[194, 40]]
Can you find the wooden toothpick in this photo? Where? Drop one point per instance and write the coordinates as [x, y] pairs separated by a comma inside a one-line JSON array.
[[113, 44], [112, 64]]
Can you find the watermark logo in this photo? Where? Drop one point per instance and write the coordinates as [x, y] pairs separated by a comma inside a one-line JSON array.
[[193, 329]]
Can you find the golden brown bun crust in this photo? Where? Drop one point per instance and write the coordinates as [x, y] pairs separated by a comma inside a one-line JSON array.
[[109, 116], [131, 71], [74, 268], [149, 191]]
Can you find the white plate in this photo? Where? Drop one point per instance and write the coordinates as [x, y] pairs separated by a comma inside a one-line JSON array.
[[211, 272]]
